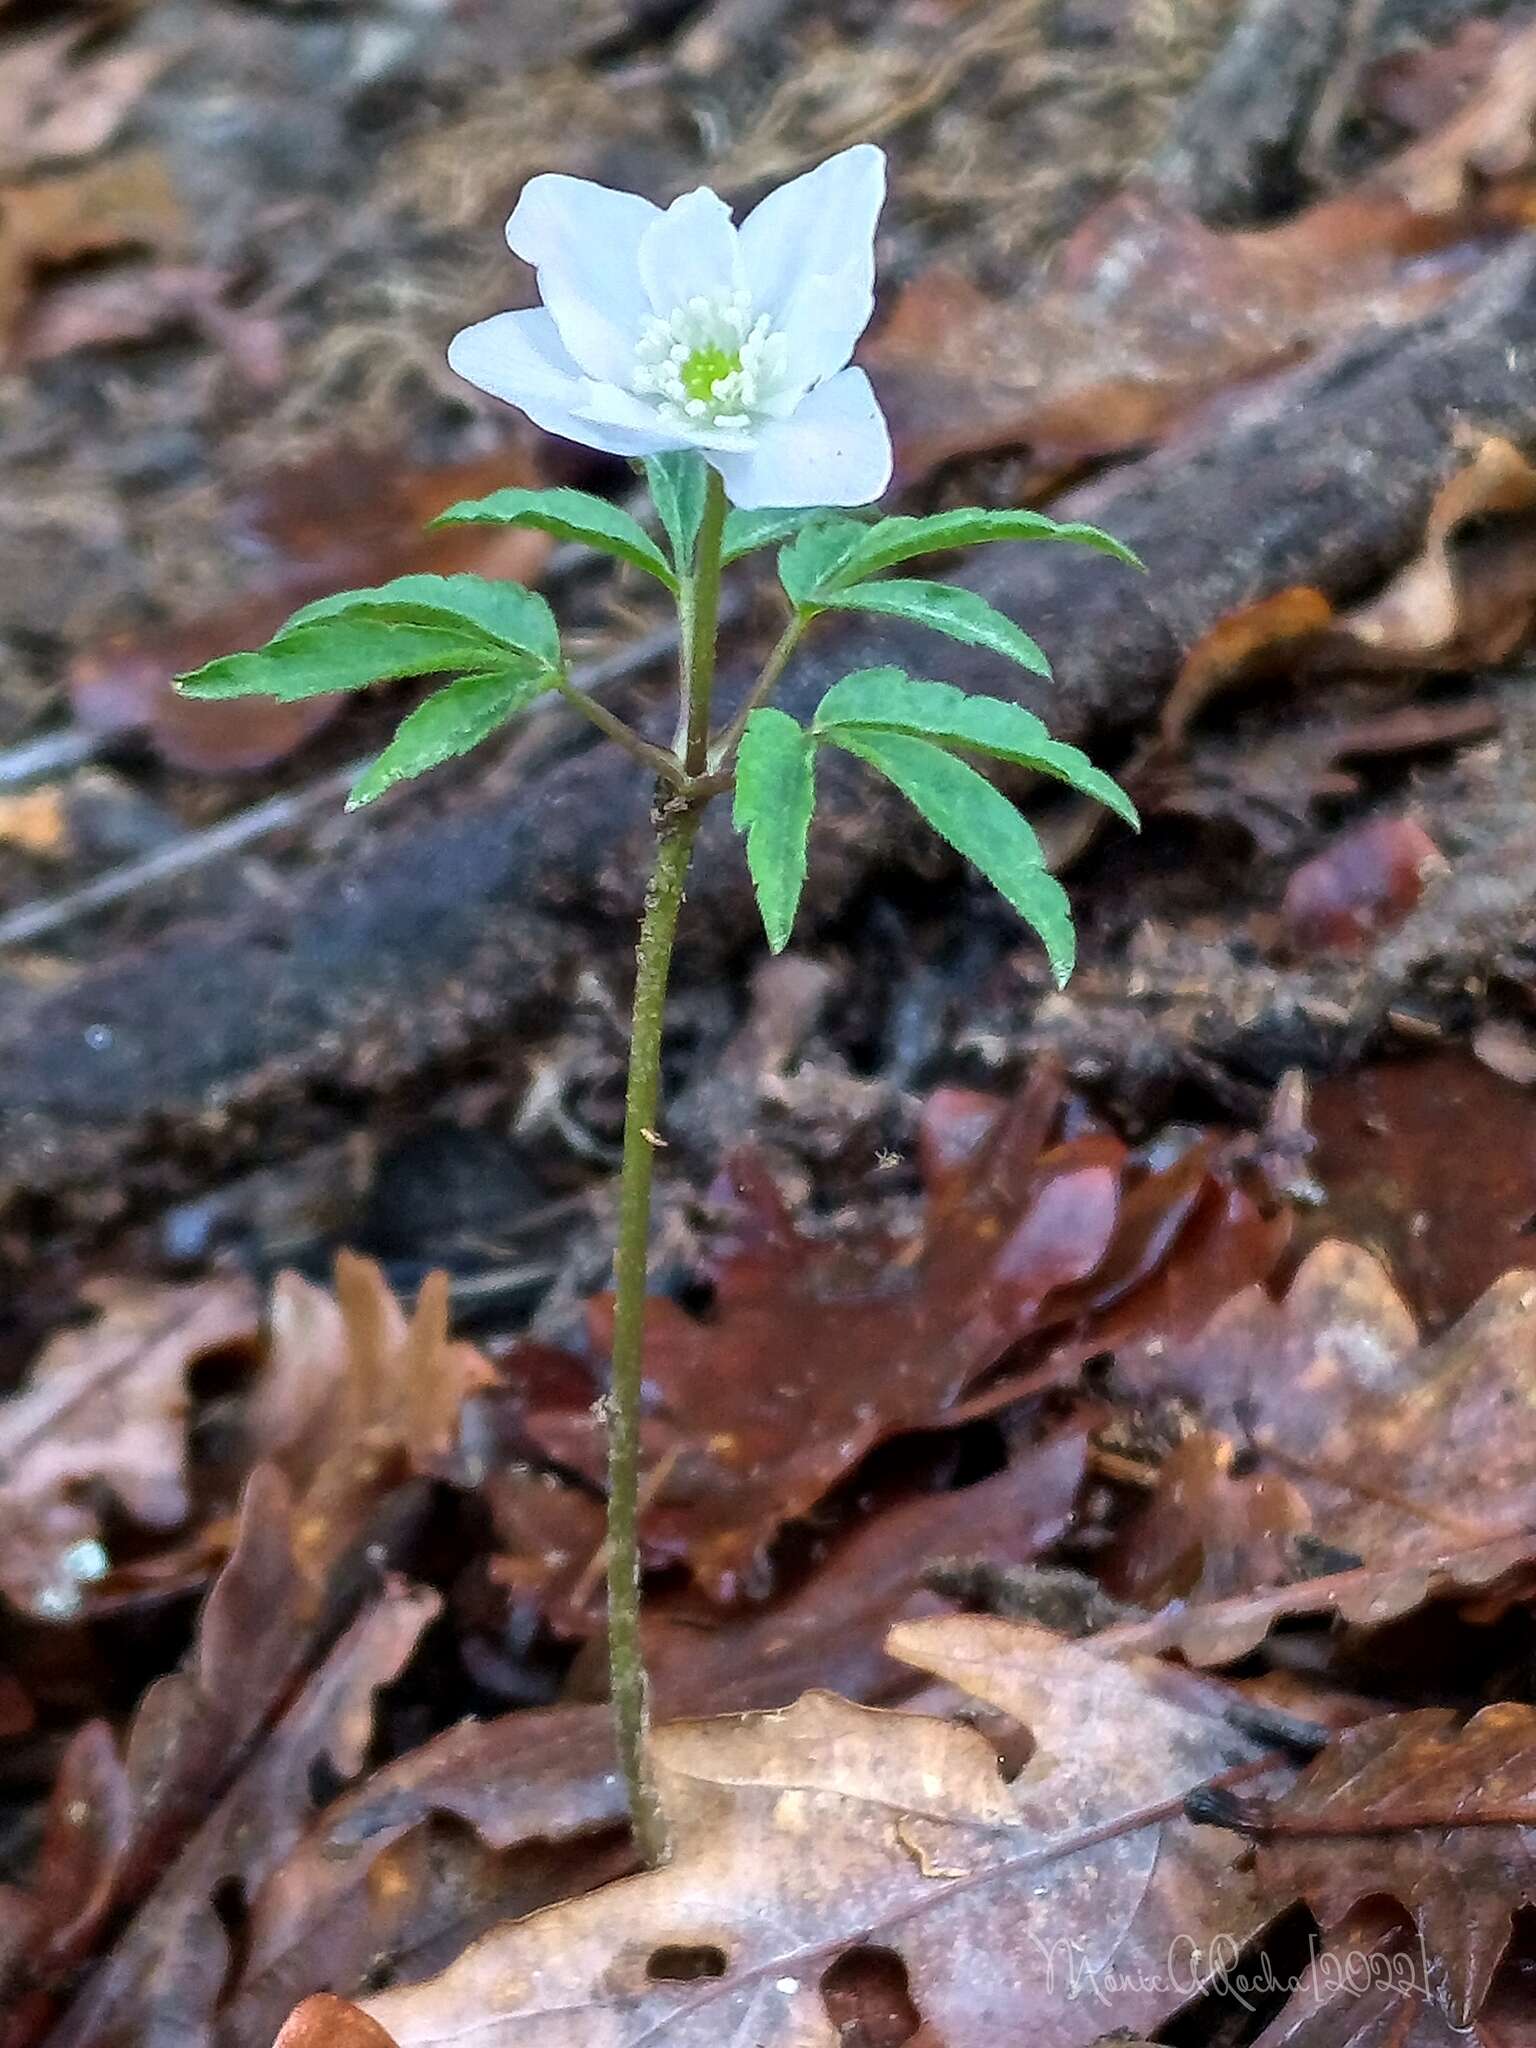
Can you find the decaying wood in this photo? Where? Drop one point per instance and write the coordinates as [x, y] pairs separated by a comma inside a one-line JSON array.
[[1234, 156], [446, 932]]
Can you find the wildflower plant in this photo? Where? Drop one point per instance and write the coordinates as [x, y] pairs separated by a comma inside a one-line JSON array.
[[718, 356]]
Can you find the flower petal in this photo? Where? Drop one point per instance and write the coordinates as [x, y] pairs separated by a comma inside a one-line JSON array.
[[584, 242], [521, 358], [690, 251], [836, 450], [814, 240]]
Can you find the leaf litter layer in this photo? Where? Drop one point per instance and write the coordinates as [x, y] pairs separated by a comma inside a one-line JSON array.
[[1138, 1423]]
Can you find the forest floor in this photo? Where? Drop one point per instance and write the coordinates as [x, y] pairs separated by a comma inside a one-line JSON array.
[[1135, 1385]]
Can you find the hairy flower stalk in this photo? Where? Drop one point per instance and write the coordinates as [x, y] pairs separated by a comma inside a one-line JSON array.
[[720, 356]]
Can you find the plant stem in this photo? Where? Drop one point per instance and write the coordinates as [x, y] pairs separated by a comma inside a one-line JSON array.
[[702, 629], [665, 766], [678, 819], [761, 691], [626, 1663]]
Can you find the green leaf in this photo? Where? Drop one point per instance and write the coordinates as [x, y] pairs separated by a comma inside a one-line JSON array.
[[508, 616], [342, 654], [898, 540], [775, 795], [979, 822], [450, 722], [568, 515], [679, 484], [746, 532], [809, 563], [415, 626], [947, 608], [886, 700]]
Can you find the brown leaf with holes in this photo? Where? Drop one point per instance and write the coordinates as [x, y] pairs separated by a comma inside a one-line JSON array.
[[106, 1409], [1423, 1808], [827, 1832]]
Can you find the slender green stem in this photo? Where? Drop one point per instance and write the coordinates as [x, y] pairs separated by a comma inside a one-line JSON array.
[[661, 763], [626, 1662], [678, 820], [701, 626], [760, 692]]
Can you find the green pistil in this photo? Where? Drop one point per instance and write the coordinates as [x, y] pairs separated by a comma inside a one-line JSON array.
[[706, 368]]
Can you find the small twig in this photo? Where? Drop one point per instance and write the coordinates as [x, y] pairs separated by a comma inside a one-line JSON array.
[[54, 753]]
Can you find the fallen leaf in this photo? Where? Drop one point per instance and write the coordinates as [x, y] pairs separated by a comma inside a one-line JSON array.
[[1207, 1532], [353, 518], [1490, 136], [826, 1829], [1432, 1163], [124, 202], [1469, 599], [549, 1774], [166, 1972], [353, 1397], [1423, 1808], [134, 305], [327, 2022], [1362, 885], [36, 823], [1406, 1455], [106, 1408], [1367, 1985], [1264, 640], [60, 99]]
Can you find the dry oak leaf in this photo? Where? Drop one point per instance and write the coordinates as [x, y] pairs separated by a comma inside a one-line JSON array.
[[105, 1411], [824, 1829], [356, 1396], [1421, 1808]]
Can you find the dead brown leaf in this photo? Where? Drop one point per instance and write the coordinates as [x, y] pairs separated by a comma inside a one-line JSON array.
[[1207, 1531], [826, 1830], [60, 99], [1437, 1814], [123, 202], [355, 1397], [106, 1410], [166, 1973], [327, 2022], [1409, 1457], [1366, 882], [353, 518]]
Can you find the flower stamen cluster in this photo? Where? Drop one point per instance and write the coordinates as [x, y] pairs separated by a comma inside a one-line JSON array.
[[714, 361]]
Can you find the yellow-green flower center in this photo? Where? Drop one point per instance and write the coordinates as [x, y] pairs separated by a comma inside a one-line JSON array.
[[706, 368]]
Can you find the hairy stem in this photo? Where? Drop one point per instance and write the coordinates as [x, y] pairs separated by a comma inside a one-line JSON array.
[[701, 630], [678, 820]]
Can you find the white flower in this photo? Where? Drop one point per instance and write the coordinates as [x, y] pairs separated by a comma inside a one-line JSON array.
[[677, 329]]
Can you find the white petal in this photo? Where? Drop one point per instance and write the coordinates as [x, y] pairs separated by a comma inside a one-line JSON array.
[[690, 251], [584, 241], [521, 358], [816, 237], [836, 450]]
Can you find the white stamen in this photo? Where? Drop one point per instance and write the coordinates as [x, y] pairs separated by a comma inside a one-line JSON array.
[[749, 387]]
